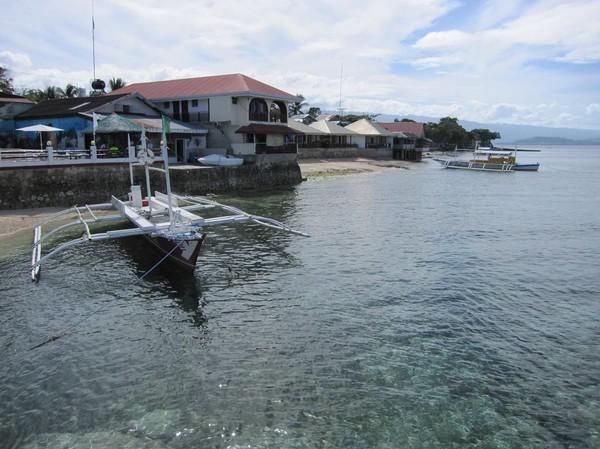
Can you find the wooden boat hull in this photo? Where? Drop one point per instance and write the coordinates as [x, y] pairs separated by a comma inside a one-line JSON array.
[[183, 254]]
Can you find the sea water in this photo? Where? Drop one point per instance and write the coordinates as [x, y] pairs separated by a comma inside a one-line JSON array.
[[431, 308]]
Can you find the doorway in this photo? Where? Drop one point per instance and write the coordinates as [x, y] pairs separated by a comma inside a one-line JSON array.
[[180, 150]]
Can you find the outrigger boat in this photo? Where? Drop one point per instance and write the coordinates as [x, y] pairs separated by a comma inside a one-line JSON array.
[[169, 221], [486, 159]]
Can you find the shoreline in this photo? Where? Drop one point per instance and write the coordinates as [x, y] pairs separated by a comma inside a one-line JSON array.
[[14, 221], [324, 167], [17, 220]]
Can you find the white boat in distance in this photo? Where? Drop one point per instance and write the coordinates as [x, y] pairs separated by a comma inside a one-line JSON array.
[[487, 159], [220, 160]]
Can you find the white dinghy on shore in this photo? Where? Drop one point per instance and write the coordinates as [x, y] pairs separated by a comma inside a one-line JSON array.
[[220, 160]]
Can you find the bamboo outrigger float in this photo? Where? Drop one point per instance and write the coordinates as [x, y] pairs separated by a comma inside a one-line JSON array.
[[169, 221]]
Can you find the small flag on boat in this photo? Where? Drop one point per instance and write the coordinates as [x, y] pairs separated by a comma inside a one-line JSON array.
[[94, 124], [166, 124]]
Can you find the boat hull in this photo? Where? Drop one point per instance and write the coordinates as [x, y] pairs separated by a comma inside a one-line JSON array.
[[220, 160], [480, 166], [526, 167], [184, 254]]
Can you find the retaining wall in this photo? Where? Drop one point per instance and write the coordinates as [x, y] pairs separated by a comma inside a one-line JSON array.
[[345, 152], [78, 185]]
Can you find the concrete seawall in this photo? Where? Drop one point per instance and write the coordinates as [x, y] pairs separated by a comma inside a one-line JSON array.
[[70, 185]]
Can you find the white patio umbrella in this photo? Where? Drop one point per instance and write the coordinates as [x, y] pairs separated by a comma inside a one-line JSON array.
[[40, 128]]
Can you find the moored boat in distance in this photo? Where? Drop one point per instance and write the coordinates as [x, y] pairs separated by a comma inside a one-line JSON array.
[[489, 159], [169, 221]]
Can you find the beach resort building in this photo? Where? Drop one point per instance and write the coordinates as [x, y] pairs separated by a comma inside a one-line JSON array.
[[76, 117], [243, 116]]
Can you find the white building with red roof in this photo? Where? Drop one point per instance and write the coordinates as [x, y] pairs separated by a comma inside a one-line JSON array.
[[244, 116], [409, 139]]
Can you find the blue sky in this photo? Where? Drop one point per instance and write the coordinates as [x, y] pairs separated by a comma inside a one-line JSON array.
[[534, 62]]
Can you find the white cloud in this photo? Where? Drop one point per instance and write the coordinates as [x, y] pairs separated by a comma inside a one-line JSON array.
[[592, 108], [443, 39], [493, 60], [15, 59]]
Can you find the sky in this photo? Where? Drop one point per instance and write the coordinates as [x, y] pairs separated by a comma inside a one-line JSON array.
[[529, 62]]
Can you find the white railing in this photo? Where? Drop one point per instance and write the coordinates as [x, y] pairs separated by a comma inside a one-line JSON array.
[[22, 158]]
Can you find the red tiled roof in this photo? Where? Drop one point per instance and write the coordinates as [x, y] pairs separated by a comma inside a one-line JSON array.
[[405, 127], [236, 84]]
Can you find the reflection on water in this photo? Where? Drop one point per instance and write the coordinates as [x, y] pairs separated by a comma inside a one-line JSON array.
[[422, 313]]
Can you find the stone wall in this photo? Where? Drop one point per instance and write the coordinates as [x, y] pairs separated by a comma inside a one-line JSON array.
[[327, 153], [345, 152], [89, 184]]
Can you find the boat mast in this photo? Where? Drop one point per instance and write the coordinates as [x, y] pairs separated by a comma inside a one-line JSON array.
[[165, 156]]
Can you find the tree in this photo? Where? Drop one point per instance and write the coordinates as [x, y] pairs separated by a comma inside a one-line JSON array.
[[351, 118], [404, 120], [6, 82], [275, 112], [50, 93], [484, 136], [314, 111], [447, 132], [116, 83], [71, 91], [296, 107]]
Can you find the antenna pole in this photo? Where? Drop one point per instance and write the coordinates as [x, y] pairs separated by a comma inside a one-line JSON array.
[[93, 40], [341, 79]]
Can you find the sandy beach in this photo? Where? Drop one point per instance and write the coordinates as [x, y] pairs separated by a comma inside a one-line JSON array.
[[323, 167], [12, 221]]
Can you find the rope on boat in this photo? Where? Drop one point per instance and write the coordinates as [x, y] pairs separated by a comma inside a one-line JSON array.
[[104, 306]]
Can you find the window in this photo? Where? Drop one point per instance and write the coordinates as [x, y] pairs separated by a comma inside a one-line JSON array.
[[166, 105], [194, 103], [258, 110]]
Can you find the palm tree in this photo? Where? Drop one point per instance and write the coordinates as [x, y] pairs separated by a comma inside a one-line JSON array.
[[6, 81], [71, 91], [116, 83], [296, 108], [50, 93]]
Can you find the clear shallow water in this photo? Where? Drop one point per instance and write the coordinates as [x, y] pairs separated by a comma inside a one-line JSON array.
[[431, 308]]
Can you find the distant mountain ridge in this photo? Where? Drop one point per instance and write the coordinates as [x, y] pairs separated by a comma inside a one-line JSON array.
[[555, 141], [518, 134]]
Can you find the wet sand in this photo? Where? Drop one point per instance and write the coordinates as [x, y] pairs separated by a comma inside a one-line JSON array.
[[13, 221], [323, 167]]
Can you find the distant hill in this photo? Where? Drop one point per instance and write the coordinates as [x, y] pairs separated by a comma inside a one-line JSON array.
[[518, 134], [555, 141]]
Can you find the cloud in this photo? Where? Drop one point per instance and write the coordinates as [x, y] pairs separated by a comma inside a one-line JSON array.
[[418, 56], [443, 39], [592, 108], [15, 59]]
